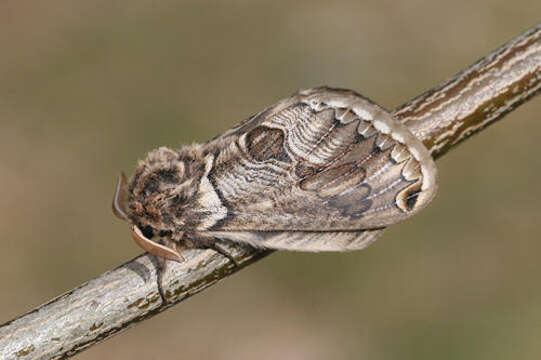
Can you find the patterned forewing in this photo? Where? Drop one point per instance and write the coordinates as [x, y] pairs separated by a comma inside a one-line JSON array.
[[318, 162]]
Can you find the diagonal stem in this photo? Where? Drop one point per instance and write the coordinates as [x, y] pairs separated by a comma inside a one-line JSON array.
[[442, 117]]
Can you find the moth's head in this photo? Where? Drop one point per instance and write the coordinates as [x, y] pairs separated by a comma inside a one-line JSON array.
[[157, 195]]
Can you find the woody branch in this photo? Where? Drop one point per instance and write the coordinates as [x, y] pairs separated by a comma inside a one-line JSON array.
[[441, 117]]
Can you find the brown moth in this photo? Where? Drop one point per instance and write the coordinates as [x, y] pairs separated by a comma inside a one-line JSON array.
[[318, 171]]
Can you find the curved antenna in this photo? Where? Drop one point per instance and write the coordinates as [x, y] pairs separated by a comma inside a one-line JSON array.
[[154, 248], [120, 198]]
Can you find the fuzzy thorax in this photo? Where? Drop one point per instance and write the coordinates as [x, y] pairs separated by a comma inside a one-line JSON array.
[[162, 188]]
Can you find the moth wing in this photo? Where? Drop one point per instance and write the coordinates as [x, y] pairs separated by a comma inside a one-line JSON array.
[[314, 241], [321, 160]]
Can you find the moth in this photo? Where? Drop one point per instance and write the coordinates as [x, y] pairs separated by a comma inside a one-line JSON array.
[[318, 171]]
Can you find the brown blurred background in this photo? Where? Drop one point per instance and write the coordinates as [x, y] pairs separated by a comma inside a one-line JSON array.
[[88, 87]]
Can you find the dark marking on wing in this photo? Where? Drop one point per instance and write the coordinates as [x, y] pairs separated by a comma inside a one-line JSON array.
[[412, 199], [407, 198], [265, 143], [334, 181], [353, 203]]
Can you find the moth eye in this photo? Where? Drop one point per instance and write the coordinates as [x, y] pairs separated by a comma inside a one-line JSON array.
[[147, 231]]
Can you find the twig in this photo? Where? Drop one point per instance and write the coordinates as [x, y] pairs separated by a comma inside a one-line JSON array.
[[441, 117]]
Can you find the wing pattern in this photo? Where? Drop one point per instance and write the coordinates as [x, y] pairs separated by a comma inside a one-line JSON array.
[[319, 168]]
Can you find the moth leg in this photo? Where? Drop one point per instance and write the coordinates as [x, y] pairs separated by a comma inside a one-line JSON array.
[[161, 264], [213, 244]]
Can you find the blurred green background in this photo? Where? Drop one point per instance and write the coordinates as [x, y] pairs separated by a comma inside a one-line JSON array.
[[88, 87]]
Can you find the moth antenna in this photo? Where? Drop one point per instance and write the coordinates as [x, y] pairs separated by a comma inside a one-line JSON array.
[[154, 248], [120, 198]]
